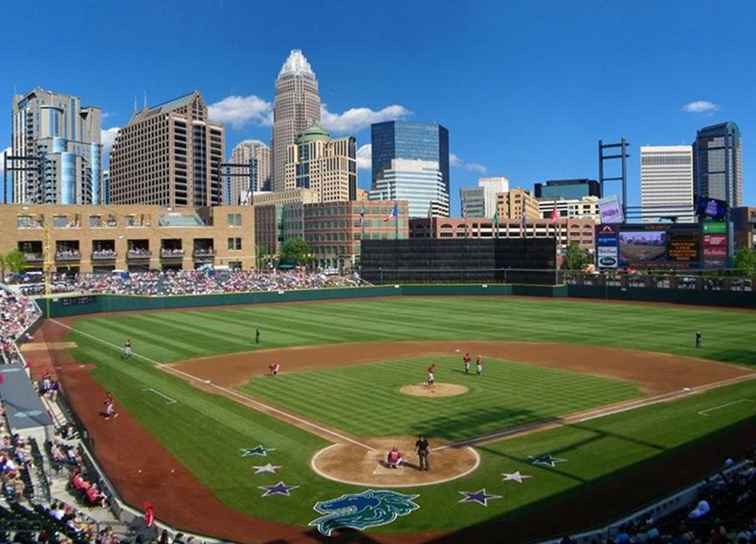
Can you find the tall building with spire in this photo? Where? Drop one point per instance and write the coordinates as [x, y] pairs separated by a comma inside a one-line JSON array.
[[295, 109]]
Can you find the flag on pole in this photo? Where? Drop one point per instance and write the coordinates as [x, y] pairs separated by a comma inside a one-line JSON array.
[[554, 215], [393, 214], [496, 223]]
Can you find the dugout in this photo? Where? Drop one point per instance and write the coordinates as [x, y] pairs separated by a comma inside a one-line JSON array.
[[24, 411], [459, 260]]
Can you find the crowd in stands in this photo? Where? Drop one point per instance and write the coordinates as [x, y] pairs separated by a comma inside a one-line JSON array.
[[723, 513], [166, 252], [166, 283], [17, 313]]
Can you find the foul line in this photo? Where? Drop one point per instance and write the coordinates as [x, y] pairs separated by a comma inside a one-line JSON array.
[[725, 405], [246, 398], [168, 399], [595, 414]]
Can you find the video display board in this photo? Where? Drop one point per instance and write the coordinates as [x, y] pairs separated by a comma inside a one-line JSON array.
[[666, 245]]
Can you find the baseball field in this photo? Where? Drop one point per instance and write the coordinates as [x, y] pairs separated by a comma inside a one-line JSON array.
[[576, 401]]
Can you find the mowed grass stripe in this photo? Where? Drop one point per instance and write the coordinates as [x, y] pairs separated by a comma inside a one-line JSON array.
[[365, 399]]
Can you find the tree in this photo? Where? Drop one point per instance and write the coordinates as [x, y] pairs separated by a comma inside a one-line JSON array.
[[295, 250], [575, 258], [745, 261], [14, 261]]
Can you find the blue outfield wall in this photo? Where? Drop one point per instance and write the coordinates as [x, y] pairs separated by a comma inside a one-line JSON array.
[[65, 306]]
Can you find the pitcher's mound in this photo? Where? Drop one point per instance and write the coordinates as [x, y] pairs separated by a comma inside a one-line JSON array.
[[435, 390], [354, 464]]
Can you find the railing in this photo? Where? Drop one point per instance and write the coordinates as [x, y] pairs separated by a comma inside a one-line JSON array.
[[687, 281], [172, 253], [138, 254], [103, 255], [67, 256], [200, 253], [33, 257]]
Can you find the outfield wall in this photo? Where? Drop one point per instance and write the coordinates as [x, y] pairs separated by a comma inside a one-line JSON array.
[[67, 305]]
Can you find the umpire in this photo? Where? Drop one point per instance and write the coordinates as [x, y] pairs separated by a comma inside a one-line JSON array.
[[423, 451]]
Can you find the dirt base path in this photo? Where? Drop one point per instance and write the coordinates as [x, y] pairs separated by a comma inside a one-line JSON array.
[[655, 372]]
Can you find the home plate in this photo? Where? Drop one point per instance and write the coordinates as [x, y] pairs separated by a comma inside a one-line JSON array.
[[381, 470]]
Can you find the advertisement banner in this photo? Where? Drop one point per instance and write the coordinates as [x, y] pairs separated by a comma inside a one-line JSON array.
[[607, 246], [715, 227], [715, 250], [711, 207], [610, 210], [682, 247]]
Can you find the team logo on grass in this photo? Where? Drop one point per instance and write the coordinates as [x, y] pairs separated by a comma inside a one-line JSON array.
[[515, 476], [360, 511], [546, 460]]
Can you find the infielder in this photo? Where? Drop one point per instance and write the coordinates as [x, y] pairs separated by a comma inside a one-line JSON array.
[[466, 360], [479, 365]]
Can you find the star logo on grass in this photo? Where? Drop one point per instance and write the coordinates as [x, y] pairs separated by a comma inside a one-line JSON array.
[[546, 460], [258, 450], [515, 476], [261, 469], [277, 489], [479, 497]]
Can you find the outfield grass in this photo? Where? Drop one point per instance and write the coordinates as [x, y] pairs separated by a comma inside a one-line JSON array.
[[365, 400], [206, 431]]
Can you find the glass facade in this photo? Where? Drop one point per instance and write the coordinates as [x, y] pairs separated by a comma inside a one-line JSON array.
[[415, 141], [717, 163], [94, 164], [67, 178], [567, 189]]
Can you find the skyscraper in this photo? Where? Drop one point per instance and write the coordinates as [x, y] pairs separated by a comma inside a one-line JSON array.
[[326, 166], [415, 141], [718, 163], [667, 183], [296, 108], [60, 142], [416, 181], [169, 155], [257, 155], [480, 201]]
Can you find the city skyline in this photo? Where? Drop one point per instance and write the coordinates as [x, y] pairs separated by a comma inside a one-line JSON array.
[[491, 92]]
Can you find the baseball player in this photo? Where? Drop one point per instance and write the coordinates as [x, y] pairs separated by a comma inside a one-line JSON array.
[[479, 365], [257, 336], [274, 369], [127, 350], [699, 339], [466, 360], [431, 379], [109, 410]]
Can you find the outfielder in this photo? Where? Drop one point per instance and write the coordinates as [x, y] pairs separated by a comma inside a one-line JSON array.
[[127, 350]]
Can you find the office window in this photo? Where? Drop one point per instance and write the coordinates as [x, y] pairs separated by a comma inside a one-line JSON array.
[[235, 244], [234, 219]]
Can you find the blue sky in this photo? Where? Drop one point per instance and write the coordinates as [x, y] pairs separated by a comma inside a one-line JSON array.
[[526, 89]]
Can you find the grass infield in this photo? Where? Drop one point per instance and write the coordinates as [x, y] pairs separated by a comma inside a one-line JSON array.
[[206, 432]]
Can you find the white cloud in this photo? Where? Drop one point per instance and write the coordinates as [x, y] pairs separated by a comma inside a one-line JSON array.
[[700, 106], [356, 119], [456, 162], [365, 157], [476, 167], [239, 111], [107, 137]]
